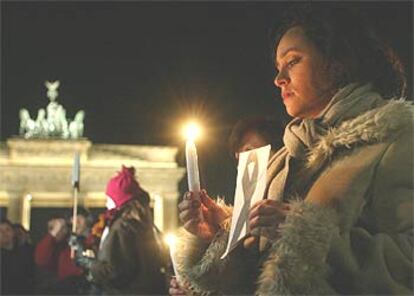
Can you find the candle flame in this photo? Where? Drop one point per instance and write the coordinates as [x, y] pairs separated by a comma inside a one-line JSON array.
[[171, 240], [192, 131]]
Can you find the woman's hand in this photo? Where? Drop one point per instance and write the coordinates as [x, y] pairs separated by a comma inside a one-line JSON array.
[[265, 217], [175, 288], [201, 217]]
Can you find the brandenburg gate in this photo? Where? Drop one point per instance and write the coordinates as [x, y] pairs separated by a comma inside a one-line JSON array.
[[35, 171]]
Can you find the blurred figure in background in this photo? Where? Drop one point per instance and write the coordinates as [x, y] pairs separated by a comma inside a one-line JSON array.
[[22, 235], [255, 132], [58, 272], [131, 257], [17, 266]]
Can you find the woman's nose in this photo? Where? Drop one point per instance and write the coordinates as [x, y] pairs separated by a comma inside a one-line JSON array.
[[281, 79]]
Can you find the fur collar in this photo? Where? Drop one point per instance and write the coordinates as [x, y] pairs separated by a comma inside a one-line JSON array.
[[376, 125], [296, 264], [133, 210]]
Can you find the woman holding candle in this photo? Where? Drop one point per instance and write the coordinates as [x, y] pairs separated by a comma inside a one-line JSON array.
[[337, 218]]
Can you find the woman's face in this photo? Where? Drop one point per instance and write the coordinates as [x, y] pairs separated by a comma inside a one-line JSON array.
[[81, 224], [250, 140], [110, 204], [305, 85]]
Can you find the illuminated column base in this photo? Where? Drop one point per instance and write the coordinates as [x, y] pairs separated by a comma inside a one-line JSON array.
[[26, 209], [165, 211], [15, 205]]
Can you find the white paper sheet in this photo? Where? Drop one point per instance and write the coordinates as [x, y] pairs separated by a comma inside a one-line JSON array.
[[250, 187]]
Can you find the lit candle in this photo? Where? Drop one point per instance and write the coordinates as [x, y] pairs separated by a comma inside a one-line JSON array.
[[192, 167], [171, 241], [193, 174]]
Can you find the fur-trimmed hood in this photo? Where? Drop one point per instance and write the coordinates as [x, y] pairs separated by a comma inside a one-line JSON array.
[[377, 125]]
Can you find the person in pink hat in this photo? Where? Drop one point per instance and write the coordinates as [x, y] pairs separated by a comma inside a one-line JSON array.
[[131, 257]]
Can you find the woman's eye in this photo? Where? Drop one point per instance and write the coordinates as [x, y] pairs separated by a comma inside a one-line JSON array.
[[292, 62]]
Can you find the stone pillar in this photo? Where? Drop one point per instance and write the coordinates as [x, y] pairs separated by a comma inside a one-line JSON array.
[[15, 206], [170, 212], [26, 209], [158, 206]]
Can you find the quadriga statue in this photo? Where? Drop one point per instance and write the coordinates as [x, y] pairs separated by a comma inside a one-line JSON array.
[[76, 125], [62, 122], [27, 125], [42, 127], [52, 122]]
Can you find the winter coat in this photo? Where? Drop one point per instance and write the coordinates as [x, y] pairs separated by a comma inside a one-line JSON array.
[[57, 273], [54, 257], [131, 259], [349, 232]]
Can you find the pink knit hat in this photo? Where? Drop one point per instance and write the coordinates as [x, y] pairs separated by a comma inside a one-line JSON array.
[[123, 187]]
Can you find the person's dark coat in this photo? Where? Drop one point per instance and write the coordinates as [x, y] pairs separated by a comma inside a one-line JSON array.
[[131, 259], [17, 270]]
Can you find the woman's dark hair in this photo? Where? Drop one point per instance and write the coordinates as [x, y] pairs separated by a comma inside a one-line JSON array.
[[270, 130], [352, 49]]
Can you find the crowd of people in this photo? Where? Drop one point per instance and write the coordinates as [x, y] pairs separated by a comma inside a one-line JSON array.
[[337, 214], [121, 254]]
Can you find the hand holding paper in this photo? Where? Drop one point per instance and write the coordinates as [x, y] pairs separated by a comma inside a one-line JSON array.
[[251, 184], [265, 217]]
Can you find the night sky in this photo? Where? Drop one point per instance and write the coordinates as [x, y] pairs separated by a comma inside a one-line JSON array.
[[140, 69]]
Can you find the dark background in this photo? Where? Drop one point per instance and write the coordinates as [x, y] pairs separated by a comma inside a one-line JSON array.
[[141, 69]]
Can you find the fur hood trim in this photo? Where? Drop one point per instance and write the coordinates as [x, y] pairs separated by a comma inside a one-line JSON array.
[[197, 259], [296, 262], [374, 126], [198, 262], [133, 210]]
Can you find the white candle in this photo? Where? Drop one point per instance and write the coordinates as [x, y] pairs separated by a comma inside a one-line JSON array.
[[192, 167], [174, 264], [171, 240]]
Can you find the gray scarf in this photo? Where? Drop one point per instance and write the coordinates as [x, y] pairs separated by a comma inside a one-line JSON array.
[[302, 134]]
